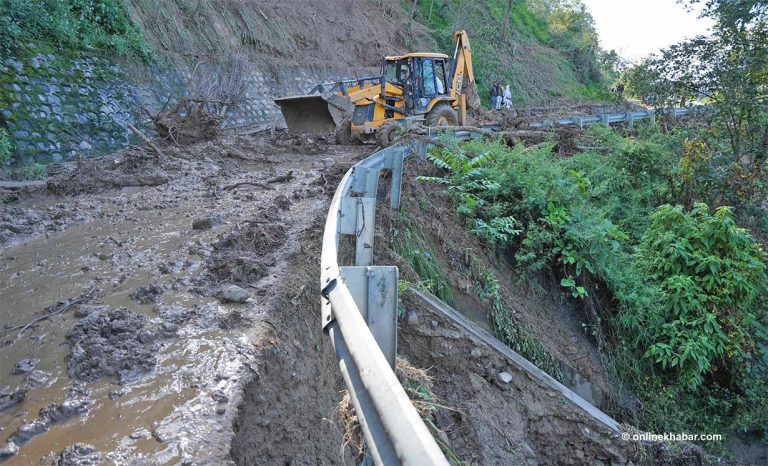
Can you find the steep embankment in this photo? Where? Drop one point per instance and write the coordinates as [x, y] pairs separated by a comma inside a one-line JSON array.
[[518, 50], [325, 33]]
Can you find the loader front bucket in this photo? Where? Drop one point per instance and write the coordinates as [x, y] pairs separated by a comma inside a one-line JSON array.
[[315, 114]]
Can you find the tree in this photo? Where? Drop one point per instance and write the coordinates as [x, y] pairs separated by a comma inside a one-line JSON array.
[[729, 68]]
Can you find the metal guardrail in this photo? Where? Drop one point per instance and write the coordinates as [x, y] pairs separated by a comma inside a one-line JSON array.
[[608, 119], [361, 318], [359, 312]]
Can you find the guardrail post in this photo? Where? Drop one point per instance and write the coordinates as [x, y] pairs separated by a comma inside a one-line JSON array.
[[374, 290], [580, 121], [631, 119], [652, 113], [604, 119]]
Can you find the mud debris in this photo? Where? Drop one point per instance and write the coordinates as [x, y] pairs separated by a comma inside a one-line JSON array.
[[10, 398], [79, 454], [147, 294], [24, 366], [112, 342], [48, 416]]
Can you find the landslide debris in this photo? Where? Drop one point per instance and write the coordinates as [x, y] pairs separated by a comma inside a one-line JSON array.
[[113, 342]]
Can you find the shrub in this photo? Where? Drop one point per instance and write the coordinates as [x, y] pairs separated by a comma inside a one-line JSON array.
[[686, 325], [89, 24], [710, 273]]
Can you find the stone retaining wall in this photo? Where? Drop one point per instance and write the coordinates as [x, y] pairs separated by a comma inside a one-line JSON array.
[[55, 107]]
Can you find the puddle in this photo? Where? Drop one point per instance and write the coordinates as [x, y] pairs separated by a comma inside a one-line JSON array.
[[114, 257]]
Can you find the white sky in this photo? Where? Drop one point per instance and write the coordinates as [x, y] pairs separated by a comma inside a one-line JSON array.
[[637, 28]]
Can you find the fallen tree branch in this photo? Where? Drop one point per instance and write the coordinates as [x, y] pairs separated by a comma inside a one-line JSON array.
[[281, 178], [247, 183], [59, 310], [146, 140]]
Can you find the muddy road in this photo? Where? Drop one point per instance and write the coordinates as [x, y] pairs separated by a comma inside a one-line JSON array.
[[141, 297]]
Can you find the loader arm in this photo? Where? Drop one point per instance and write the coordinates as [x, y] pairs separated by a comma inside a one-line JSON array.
[[462, 73]]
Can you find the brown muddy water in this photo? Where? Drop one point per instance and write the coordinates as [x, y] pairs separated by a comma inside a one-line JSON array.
[[142, 239]]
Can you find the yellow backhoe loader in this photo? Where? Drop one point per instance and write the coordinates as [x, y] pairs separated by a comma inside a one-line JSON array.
[[417, 87]]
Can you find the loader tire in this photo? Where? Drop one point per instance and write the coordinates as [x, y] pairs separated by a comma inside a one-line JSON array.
[[387, 133], [344, 135], [442, 114]]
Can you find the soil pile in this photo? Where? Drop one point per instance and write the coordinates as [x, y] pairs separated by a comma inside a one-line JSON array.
[[113, 342]]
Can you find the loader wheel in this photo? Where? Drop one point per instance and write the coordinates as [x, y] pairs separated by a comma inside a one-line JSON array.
[[344, 135], [442, 114], [387, 133]]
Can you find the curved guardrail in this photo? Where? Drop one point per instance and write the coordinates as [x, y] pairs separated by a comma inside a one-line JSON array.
[[359, 305], [359, 312], [393, 429]]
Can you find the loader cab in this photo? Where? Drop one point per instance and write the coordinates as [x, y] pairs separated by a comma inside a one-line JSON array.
[[422, 76]]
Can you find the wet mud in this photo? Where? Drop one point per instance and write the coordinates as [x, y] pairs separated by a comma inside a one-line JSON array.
[[117, 345]]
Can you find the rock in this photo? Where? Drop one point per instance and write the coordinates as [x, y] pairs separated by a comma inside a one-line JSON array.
[[141, 434], [79, 454], [84, 310], [476, 353], [24, 366], [504, 377], [234, 294], [219, 397], [203, 223], [411, 318], [8, 450], [433, 323]]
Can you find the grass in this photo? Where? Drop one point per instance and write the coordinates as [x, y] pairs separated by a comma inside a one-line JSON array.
[[71, 24], [409, 242]]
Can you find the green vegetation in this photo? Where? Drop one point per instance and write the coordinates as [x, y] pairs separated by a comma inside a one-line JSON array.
[[408, 241], [686, 330], [6, 148], [550, 43], [509, 331], [73, 24]]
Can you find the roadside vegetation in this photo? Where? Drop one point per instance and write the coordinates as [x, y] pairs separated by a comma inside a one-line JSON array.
[[657, 234], [674, 290], [101, 25], [552, 43]]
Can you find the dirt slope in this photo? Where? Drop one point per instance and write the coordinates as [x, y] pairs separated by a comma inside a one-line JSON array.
[[324, 33]]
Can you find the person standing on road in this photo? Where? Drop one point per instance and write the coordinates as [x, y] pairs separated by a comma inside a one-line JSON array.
[[494, 94], [499, 95], [507, 97]]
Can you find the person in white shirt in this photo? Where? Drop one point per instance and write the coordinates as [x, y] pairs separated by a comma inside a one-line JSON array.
[[507, 97]]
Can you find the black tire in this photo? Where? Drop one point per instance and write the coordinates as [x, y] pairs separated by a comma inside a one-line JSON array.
[[344, 134], [387, 133], [442, 114]]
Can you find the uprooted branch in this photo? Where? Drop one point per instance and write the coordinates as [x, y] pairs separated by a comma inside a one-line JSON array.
[[212, 90]]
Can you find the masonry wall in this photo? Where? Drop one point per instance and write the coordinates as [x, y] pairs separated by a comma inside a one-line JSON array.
[[58, 106]]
